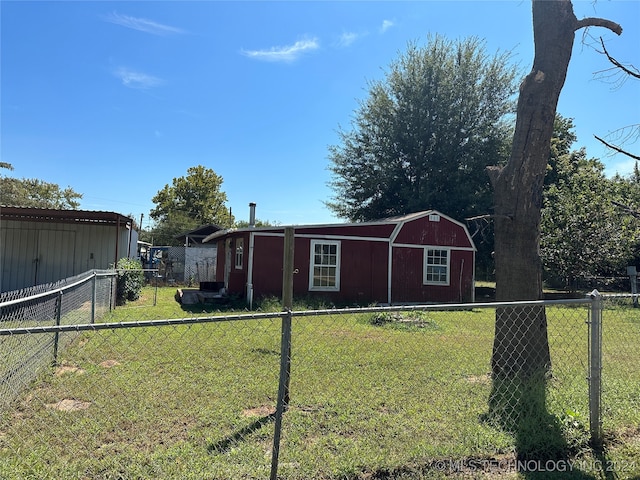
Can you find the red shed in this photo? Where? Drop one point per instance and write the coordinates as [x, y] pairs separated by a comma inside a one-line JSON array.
[[416, 258]]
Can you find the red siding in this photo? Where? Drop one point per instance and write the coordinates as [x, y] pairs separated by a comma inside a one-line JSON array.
[[363, 268], [407, 278], [237, 281], [267, 266], [363, 272], [363, 263], [425, 232]]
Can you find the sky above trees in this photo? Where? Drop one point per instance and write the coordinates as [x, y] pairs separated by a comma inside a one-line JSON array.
[[115, 99]]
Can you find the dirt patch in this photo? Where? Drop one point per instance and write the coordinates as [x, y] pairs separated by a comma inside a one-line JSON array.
[[479, 379], [625, 436], [109, 363], [67, 369], [69, 405], [261, 411]]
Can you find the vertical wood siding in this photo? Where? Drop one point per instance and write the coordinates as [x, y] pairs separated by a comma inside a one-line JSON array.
[[426, 232]]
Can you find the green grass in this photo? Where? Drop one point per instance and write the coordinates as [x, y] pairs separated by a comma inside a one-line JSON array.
[[371, 397]]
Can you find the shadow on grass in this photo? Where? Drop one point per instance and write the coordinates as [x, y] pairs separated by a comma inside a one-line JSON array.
[[545, 445], [228, 442]]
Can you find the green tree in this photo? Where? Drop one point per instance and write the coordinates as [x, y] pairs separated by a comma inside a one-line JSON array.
[[628, 205], [582, 230], [188, 203], [425, 134], [34, 193], [258, 223]]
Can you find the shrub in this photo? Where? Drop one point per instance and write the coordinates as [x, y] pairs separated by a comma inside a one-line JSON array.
[[130, 280]]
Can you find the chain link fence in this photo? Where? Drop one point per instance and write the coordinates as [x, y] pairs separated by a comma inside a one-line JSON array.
[[380, 392], [620, 402], [76, 300]]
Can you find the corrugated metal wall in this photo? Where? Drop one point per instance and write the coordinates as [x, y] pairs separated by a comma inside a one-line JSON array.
[[32, 253]]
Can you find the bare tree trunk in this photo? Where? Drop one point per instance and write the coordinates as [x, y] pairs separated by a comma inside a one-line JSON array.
[[521, 344]]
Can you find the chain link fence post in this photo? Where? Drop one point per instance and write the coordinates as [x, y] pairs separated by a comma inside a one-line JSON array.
[[285, 346], [56, 335], [112, 292], [595, 366], [94, 295]]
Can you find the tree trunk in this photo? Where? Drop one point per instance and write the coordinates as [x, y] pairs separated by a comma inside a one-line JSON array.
[[521, 345]]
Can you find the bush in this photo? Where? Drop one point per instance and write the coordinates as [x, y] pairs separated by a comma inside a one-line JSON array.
[[130, 280]]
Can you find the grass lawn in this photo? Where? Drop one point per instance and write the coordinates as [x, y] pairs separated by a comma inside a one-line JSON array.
[[371, 398]]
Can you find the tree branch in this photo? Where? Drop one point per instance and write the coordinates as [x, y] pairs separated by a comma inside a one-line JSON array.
[[617, 63], [627, 209], [488, 217], [599, 22], [617, 149]]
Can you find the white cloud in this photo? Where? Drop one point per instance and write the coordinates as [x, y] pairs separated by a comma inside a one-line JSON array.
[[347, 39], [287, 53], [139, 80], [142, 24], [386, 25]]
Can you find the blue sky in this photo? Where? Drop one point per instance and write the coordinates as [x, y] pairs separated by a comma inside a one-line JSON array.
[[115, 99]]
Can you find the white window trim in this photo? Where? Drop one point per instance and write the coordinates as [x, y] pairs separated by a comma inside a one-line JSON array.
[[238, 256], [313, 288], [424, 266]]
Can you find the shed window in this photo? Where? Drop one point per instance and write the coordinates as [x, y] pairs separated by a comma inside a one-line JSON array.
[[239, 253], [324, 269], [436, 267]]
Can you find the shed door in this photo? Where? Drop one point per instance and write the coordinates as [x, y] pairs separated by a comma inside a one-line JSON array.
[[56, 255]]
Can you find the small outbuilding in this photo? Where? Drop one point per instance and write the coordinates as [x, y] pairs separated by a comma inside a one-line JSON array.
[[40, 245], [415, 258], [195, 237]]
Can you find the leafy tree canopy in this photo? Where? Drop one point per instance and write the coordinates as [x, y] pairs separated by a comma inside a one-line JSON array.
[[34, 193], [258, 223], [582, 230], [190, 202], [425, 134]]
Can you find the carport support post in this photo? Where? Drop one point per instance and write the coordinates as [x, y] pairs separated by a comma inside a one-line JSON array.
[[285, 346], [595, 366]]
